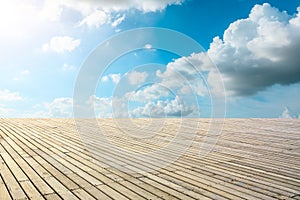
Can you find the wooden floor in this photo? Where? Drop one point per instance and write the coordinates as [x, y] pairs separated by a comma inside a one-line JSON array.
[[46, 159]]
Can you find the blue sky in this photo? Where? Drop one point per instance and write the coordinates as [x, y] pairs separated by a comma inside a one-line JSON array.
[[254, 45]]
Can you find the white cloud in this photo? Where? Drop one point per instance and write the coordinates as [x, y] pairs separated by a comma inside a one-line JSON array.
[[182, 74], [95, 19], [154, 5], [61, 44], [258, 52], [180, 69], [104, 79], [107, 107], [20, 18], [97, 13], [180, 78], [152, 92], [118, 21], [51, 10], [102, 106], [60, 107], [163, 108], [67, 67], [7, 95], [250, 57], [136, 78], [197, 87], [115, 78], [63, 108], [88, 6]]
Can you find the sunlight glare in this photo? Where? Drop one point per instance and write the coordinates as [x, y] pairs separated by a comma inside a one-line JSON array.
[[17, 18]]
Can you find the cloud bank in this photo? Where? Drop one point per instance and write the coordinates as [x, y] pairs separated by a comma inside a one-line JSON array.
[[61, 44], [136, 78], [258, 52], [7, 95], [167, 108], [98, 12], [60, 107], [254, 53]]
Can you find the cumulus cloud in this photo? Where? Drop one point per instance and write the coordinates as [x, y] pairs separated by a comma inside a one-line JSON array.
[[180, 79], [60, 107], [174, 108], [119, 5], [257, 52], [7, 95], [136, 78], [107, 107], [61, 44], [249, 58], [152, 92], [115, 78], [183, 74], [101, 105], [154, 5], [96, 13], [254, 54], [95, 19], [63, 107]]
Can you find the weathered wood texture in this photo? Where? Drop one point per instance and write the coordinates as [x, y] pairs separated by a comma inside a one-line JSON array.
[[46, 159]]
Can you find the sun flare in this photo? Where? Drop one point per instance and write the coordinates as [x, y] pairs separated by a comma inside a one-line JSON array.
[[17, 18]]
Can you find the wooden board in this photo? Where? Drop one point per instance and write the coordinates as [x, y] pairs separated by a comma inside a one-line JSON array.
[[47, 159]]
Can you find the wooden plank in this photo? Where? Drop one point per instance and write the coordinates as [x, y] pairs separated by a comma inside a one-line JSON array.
[[52, 196], [98, 194], [127, 192], [12, 165], [3, 191], [60, 188], [172, 192], [81, 194], [141, 191], [30, 190], [111, 192], [11, 183]]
